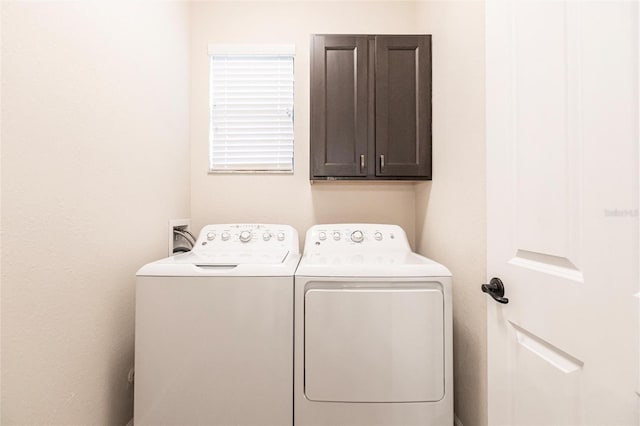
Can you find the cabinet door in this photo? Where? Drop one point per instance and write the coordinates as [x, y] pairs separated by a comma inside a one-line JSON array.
[[339, 99], [403, 106]]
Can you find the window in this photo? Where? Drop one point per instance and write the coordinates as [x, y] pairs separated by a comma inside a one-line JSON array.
[[251, 108]]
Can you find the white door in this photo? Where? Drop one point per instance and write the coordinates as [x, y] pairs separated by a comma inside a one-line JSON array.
[[562, 165]]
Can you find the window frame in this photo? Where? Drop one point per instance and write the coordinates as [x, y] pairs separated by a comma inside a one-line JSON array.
[[242, 50]]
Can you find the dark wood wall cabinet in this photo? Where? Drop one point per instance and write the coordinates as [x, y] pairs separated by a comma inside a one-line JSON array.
[[370, 107]]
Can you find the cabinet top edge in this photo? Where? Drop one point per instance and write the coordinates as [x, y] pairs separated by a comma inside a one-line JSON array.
[[345, 180], [371, 35]]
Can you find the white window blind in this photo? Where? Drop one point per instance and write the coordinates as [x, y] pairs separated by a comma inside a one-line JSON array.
[[251, 116]]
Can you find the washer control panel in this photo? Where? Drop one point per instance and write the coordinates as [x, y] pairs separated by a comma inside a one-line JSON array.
[[247, 236], [355, 235]]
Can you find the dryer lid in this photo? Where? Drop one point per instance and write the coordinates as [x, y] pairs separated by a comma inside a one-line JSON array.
[[370, 264], [363, 250]]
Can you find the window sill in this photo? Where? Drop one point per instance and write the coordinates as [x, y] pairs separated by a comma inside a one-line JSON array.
[[250, 172]]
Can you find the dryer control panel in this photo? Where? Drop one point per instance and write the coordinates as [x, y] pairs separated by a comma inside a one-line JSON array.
[[355, 236], [246, 237]]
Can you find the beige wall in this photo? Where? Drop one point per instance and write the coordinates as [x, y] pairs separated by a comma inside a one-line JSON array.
[[1, 229], [95, 132], [94, 162], [287, 198], [444, 220], [450, 210]]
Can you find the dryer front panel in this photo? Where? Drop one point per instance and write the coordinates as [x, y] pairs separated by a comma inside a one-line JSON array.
[[373, 342]]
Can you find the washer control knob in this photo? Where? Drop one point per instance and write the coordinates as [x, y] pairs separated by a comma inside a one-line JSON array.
[[357, 236], [336, 236], [378, 236], [322, 235], [266, 236], [225, 236], [245, 236], [280, 236], [211, 236]]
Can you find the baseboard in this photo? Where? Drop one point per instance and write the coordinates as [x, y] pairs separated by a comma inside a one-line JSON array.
[[456, 421]]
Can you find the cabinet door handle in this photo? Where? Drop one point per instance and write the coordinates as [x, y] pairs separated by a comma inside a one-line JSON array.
[[361, 162], [381, 161]]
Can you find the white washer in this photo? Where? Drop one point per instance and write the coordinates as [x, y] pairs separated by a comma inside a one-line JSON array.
[[373, 332], [214, 330]]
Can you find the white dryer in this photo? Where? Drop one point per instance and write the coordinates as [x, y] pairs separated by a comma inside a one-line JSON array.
[[373, 332], [214, 330]]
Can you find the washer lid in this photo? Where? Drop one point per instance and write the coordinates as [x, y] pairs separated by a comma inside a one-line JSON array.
[[274, 263], [237, 257], [242, 249]]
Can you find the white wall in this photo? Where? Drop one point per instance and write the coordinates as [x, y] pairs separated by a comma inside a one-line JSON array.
[[94, 162], [288, 198], [450, 210]]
